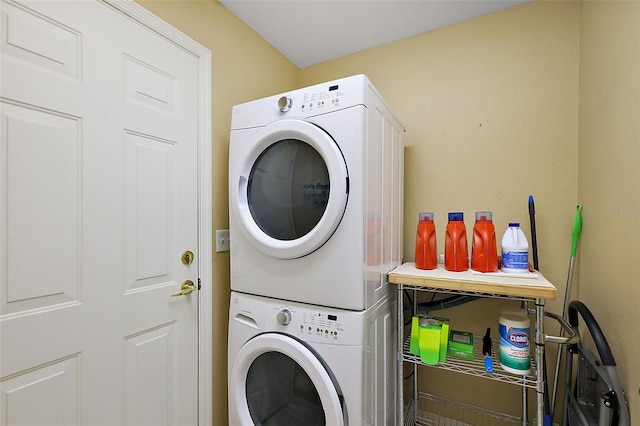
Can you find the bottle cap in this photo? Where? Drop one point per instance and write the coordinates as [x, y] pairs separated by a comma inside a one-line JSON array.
[[425, 216], [484, 216], [514, 224], [456, 216]]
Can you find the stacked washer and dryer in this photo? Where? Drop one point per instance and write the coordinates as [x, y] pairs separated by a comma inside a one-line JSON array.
[[316, 195]]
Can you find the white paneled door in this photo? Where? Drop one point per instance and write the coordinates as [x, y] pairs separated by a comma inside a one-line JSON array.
[[99, 191]]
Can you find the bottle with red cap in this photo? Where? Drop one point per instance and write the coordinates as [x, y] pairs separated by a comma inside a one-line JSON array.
[[484, 251], [456, 253], [426, 257]]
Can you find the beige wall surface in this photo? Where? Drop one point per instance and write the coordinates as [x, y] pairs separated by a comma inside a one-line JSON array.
[[609, 180], [540, 99], [244, 67], [492, 108]]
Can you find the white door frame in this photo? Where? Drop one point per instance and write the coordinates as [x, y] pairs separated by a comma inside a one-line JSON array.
[[203, 56]]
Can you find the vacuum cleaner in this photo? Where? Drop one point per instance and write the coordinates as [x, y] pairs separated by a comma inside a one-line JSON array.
[[594, 396]]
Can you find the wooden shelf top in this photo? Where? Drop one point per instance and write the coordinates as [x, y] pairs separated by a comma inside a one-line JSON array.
[[533, 285]]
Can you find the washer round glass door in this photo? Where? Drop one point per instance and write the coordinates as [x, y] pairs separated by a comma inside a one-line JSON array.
[[292, 189], [277, 380]]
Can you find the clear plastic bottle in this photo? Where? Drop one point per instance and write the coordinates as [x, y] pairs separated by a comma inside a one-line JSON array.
[[456, 252], [515, 250], [484, 250], [426, 257]]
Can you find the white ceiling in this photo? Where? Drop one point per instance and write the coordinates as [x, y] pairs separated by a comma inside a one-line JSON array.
[[308, 32]]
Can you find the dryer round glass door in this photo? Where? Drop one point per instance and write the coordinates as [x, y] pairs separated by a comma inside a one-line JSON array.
[[278, 380], [292, 189]]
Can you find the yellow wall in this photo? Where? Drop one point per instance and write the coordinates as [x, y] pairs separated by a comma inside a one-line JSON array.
[[244, 67], [490, 107], [494, 110], [609, 180]]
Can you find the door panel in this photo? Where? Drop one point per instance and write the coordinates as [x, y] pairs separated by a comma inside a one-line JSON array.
[[149, 86], [55, 385], [99, 199], [46, 44], [149, 358], [148, 163], [43, 176]]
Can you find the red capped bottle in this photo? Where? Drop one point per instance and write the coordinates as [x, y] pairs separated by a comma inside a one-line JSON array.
[[484, 251], [456, 252], [426, 253]]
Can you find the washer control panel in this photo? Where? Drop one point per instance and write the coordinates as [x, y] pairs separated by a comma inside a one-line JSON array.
[[318, 324]]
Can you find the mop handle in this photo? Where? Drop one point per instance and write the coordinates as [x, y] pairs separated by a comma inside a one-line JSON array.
[[577, 229]]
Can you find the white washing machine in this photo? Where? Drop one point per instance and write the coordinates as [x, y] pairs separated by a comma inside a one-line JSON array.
[[316, 195], [297, 364]]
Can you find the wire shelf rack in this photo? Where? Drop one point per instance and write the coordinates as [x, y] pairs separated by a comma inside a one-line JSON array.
[[475, 367], [431, 410]]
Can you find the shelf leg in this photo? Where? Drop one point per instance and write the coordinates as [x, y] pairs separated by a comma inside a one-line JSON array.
[[525, 402], [400, 372], [539, 343], [415, 366]]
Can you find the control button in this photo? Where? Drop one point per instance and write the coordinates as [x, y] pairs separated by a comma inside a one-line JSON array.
[[285, 103], [284, 317]]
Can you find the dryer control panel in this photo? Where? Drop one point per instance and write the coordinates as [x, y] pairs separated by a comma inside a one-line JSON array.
[[310, 101], [326, 98]]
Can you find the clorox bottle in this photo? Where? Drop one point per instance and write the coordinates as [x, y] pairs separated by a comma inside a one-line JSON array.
[[426, 242], [514, 342], [515, 250]]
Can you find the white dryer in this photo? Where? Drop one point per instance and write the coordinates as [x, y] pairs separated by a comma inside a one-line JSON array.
[[297, 364], [316, 195]]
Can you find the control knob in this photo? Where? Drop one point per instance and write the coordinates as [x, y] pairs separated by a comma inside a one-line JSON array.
[[284, 317], [285, 103]]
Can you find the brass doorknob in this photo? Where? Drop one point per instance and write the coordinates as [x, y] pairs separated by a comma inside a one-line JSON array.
[[187, 287]]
